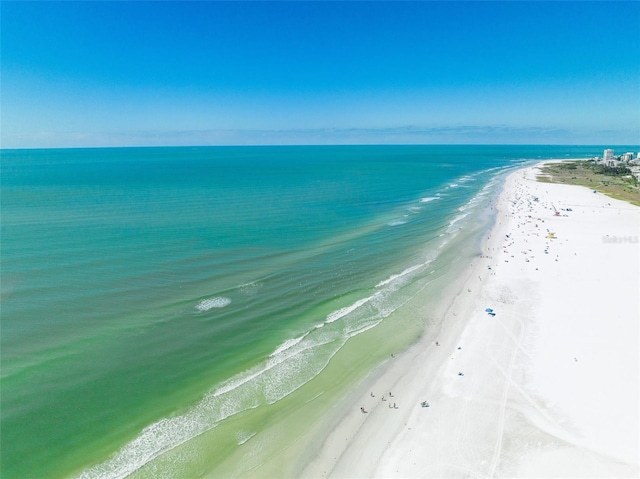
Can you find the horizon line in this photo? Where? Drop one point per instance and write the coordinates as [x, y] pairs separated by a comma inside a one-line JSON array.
[[302, 145]]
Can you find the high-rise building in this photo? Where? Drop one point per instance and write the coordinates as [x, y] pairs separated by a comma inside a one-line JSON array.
[[608, 155]]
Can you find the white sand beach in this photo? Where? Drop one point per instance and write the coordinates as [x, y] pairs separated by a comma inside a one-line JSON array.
[[548, 386]]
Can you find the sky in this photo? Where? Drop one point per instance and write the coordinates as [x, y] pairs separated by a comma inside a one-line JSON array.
[[79, 74]]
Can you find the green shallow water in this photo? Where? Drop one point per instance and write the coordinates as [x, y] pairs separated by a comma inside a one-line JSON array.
[[277, 440], [160, 306]]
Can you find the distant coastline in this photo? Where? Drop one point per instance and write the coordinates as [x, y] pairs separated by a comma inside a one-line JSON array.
[[616, 178]]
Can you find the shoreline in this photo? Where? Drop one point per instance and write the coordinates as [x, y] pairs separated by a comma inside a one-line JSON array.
[[549, 388]]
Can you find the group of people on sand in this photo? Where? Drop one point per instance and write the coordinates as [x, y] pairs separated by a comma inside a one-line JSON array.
[[382, 398], [394, 406]]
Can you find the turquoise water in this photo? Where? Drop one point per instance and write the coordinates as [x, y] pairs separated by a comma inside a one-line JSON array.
[[150, 295]]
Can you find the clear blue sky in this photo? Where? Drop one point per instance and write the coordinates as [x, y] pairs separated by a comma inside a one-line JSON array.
[[164, 73]]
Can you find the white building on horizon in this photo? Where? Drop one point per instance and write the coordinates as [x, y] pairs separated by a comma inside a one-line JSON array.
[[608, 159], [608, 155]]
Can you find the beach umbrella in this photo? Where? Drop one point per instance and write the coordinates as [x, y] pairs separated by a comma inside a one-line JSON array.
[[488, 310]]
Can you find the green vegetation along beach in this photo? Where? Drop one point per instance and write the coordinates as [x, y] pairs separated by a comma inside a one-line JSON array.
[[613, 182]]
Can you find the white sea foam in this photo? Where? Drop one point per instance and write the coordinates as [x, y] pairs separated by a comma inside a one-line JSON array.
[[250, 289], [242, 379], [243, 437], [472, 203], [266, 383], [314, 397], [393, 277], [458, 218], [429, 198], [464, 179], [397, 223], [217, 302], [153, 441], [348, 309], [454, 185], [272, 362], [289, 343], [364, 328]]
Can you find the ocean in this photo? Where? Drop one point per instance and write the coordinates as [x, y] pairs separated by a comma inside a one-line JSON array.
[[194, 312]]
